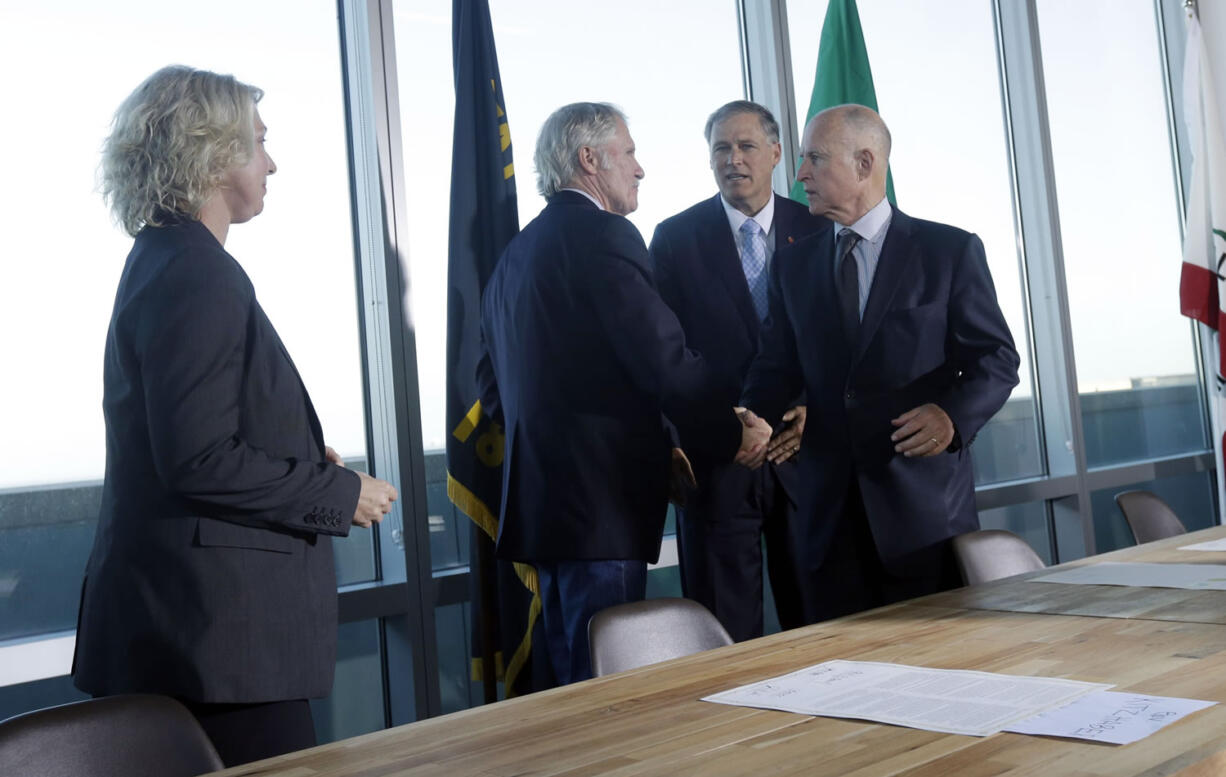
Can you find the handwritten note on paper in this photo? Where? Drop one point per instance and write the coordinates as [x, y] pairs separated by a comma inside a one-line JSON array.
[[948, 700], [1109, 716], [1211, 577]]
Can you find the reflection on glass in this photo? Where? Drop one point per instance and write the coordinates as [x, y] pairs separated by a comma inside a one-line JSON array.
[[950, 161], [356, 704], [1119, 222], [1028, 521], [52, 692], [452, 627], [449, 529], [1191, 496], [45, 538]]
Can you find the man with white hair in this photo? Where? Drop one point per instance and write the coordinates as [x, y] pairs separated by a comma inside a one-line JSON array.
[[585, 361], [890, 325]]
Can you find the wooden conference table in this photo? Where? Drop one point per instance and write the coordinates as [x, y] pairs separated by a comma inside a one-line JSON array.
[[1106, 601], [650, 721]]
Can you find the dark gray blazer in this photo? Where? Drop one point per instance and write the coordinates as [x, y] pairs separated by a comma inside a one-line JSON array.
[[211, 576]]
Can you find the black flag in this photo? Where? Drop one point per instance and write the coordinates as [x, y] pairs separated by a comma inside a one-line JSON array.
[[484, 218]]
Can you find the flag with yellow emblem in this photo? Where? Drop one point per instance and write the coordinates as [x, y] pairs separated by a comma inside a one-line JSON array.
[[484, 218]]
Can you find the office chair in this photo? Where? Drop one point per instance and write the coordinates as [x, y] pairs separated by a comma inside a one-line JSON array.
[[639, 633], [991, 554], [134, 735], [1148, 516]]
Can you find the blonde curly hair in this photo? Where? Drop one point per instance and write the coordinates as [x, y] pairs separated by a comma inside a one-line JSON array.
[[171, 142]]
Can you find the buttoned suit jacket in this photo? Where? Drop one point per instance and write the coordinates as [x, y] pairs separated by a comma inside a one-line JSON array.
[[700, 276], [211, 576], [584, 359], [932, 331]]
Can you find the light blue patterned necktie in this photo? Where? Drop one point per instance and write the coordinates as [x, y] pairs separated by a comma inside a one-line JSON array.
[[753, 262]]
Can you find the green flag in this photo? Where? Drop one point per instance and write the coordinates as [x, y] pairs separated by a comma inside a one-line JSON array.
[[843, 75]]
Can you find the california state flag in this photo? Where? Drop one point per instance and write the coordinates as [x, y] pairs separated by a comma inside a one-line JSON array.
[[1202, 288], [1205, 243]]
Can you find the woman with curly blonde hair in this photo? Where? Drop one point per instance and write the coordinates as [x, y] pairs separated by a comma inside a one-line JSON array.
[[211, 577]]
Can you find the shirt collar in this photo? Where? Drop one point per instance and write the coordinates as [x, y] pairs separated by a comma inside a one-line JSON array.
[[872, 225], [585, 194], [764, 217]]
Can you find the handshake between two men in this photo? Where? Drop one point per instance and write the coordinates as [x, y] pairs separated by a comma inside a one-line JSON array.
[[759, 444], [756, 443], [923, 431]]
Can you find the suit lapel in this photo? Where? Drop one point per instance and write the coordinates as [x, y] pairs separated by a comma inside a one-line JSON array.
[[811, 298], [717, 248], [317, 432], [895, 257], [819, 272], [785, 224]]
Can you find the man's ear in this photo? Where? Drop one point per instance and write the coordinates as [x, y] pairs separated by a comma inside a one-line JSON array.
[[864, 163], [588, 161]]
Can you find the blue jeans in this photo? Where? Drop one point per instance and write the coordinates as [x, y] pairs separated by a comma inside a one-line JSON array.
[[571, 593]]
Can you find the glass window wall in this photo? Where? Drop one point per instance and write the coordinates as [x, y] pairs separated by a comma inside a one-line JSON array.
[[57, 293], [1190, 496], [1119, 222]]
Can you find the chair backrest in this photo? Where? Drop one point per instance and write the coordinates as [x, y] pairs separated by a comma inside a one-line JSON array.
[[1148, 516], [134, 735], [640, 633], [991, 554]]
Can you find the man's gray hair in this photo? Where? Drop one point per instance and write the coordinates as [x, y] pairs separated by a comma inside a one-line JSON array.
[[770, 127], [567, 130]]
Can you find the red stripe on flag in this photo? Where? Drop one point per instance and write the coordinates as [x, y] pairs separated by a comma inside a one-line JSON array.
[[1198, 295], [1221, 352]]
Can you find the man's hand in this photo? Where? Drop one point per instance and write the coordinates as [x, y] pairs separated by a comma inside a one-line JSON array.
[[374, 501], [923, 431], [334, 457], [787, 442], [755, 434], [682, 478]]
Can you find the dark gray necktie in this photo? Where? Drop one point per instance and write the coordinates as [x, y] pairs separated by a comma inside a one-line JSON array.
[[849, 285]]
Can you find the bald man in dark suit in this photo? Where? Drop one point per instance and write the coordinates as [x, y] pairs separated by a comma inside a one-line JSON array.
[[890, 325]]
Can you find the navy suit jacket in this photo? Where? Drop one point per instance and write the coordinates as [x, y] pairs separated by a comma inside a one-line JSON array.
[[931, 332], [585, 357], [211, 576], [699, 274]]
